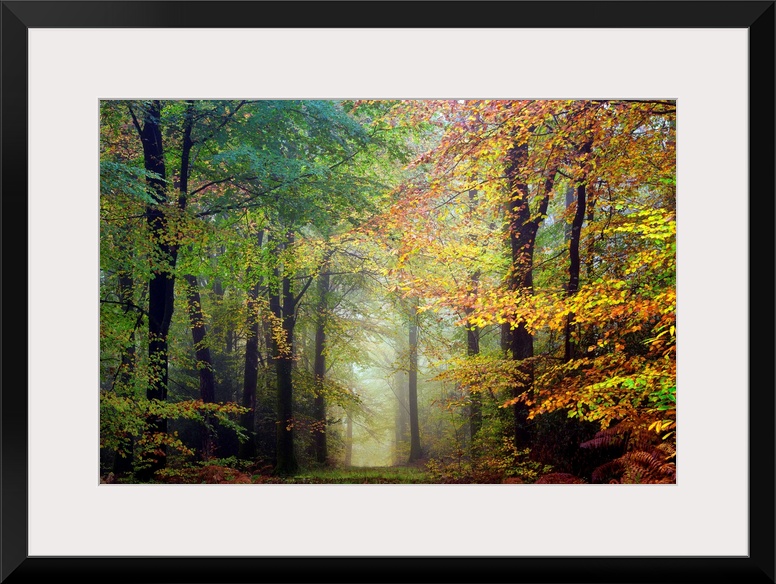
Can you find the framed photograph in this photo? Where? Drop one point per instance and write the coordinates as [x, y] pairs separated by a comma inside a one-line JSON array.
[[678, 94]]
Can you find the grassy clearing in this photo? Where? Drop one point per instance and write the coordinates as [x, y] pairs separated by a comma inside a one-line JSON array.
[[361, 475]]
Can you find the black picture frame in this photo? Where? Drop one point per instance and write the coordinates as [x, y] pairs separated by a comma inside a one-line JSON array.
[[15, 564]]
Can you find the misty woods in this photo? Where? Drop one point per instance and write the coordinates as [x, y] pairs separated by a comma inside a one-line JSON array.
[[470, 291]]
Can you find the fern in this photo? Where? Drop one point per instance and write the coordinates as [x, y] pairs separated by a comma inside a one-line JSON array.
[[647, 467], [609, 472], [647, 458], [613, 436]]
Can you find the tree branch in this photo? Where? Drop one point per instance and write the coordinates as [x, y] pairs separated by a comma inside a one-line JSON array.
[[225, 121], [304, 289], [134, 120], [127, 304]]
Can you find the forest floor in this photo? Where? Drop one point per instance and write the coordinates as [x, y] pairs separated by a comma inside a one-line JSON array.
[[417, 473], [218, 474], [365, 475], [355, 475]]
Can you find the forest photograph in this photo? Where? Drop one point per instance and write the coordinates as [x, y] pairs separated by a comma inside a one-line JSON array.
[[375, 291]]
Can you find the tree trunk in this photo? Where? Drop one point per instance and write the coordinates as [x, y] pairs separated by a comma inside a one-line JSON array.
[[591, 241], [522, 239], [319, 367], [576, 232], [161, 285], [251, 369], [473, 343], [505, 339], [415, 451], [522, 236], [269, 347], [402, 419], [569, 201], [207, 381], [475, 409], [286, 459], [348, 440]]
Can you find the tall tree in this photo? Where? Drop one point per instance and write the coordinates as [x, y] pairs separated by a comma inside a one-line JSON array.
[[574, 238], [348, 440], [283, 303], [207, 383], [415, 451], [252, 356], [319, 367], [401, 418], [473, 336], [161, 285], [523, 226]]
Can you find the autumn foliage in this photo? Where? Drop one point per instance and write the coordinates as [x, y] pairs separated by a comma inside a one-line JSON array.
[[529, 244]]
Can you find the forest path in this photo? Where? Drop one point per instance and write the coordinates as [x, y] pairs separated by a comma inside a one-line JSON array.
[[362, 475]]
